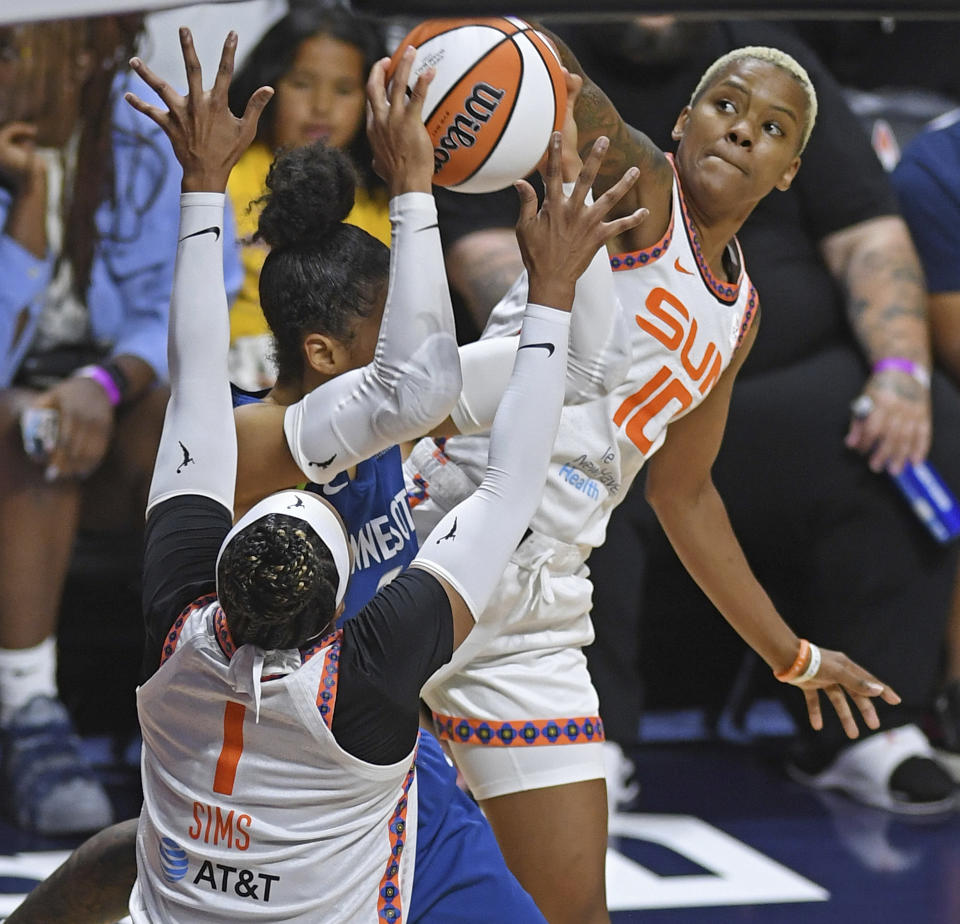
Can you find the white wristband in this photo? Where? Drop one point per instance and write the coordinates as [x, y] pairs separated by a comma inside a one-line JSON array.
[[812, 668]]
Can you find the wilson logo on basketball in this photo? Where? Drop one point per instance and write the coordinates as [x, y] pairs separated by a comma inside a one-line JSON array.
[[462, 133], [497, 93]]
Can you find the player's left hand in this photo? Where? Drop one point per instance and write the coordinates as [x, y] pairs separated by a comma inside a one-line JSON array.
[[207, 138], [839, 678], [891, 421]]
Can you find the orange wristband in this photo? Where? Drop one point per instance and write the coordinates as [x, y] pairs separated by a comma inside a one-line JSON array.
[[795, 669]]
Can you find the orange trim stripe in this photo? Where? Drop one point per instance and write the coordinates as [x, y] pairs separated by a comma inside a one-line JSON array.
[[389, 902], [173, 636], [327, 690], [753, 304], [634, 258], [724, 291], [226, 773], [519, 733]]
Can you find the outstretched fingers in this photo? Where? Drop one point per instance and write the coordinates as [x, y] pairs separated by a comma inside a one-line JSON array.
[[254, 109], [398, 88], [418, 94], [191, 62], [813, 708], [840, 705], [377, 90], [158, 85], [589, 169], [612, 196], [553, 176], [528, 201], [867, 709], [158, 115], [224, 69]]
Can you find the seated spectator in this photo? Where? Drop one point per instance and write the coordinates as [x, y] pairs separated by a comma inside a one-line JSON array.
[[927, 180], [317, 60], [88, 208]]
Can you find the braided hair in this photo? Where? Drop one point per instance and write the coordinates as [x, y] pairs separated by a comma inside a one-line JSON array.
[[277, 583]]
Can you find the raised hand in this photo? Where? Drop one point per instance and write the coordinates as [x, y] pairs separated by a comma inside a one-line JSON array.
[[206, 137], [839, 677], [559, 241], [402, 149]]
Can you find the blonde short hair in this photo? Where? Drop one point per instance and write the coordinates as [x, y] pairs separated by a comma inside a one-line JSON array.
[[772, 56]]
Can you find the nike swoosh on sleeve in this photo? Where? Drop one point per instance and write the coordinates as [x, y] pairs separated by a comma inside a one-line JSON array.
[[549, 347], [326, 464], [213, 229]]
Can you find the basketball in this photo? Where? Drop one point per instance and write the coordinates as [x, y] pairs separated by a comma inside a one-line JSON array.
[[497, 95]]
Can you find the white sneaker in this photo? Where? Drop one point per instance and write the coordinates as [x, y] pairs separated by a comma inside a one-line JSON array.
[[863, 771], [620, 773]]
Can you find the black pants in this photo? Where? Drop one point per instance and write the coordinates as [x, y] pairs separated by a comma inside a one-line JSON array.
[[844, 559]]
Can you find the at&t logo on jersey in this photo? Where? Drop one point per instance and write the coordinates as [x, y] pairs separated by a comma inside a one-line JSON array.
[[173, 859], [244, 883]]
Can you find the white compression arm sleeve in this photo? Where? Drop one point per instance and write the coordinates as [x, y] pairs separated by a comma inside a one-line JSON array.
[[414, 378], [198, 448], [473, 542], [599, 351]]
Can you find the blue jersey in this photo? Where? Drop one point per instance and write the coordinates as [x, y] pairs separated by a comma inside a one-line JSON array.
[[374, 508]]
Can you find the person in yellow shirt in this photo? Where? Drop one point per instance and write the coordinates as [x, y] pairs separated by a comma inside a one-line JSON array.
[[318, 61]]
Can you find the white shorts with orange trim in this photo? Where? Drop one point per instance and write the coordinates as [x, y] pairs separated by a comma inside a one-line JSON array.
[[516, 702]]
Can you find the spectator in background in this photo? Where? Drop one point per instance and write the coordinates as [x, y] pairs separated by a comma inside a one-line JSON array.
[[927, 180], [843, 558], [317, 60], [88, 208]]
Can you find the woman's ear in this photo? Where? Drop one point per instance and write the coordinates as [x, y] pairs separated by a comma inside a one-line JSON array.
[[680, 124], [324, 354]]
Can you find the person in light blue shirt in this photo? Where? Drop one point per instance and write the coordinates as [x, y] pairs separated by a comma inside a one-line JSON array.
[[89, 206]]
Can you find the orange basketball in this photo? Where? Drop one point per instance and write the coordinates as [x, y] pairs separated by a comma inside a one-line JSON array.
[[497, 95]]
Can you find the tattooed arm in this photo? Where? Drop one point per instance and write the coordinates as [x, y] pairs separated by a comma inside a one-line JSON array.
[[877, 266], [629, 147]]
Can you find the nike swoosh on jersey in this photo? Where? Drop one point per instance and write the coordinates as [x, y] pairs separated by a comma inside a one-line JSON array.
[[330, 489], [549, 347], [428, 227], [213, 229], [679, 268]]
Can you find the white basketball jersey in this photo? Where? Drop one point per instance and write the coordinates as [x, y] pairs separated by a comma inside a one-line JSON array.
[[262, 816], [685, 327]]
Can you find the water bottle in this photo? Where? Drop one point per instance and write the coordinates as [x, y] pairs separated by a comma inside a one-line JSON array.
[[932, 501]]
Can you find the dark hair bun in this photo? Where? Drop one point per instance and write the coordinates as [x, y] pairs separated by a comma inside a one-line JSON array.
[[310, 191]]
